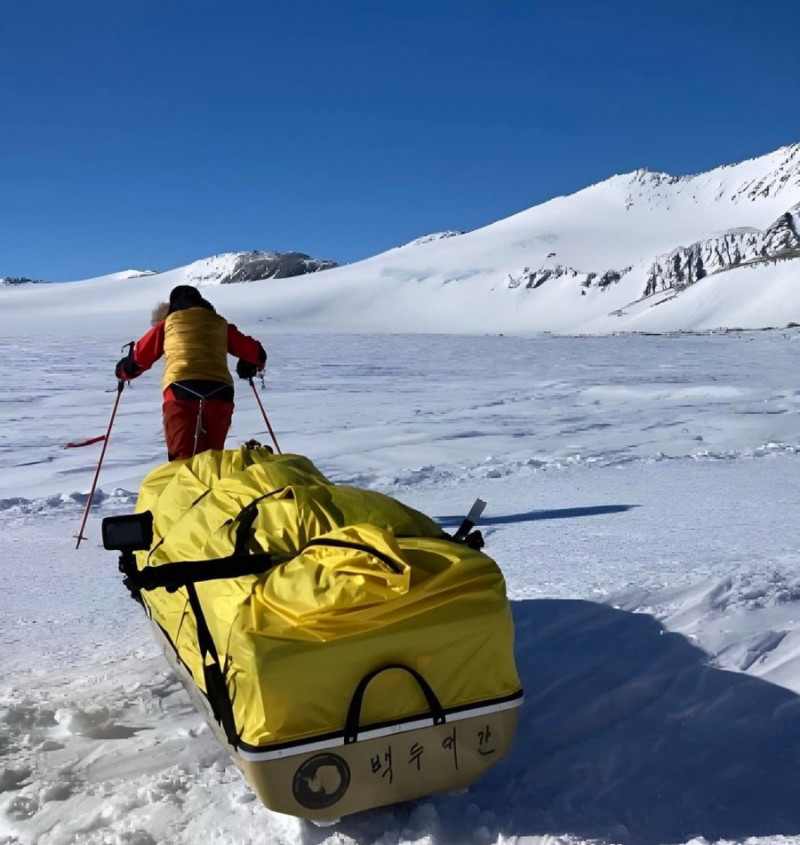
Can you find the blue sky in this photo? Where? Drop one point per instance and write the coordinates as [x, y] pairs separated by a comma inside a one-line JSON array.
[[150, 133]]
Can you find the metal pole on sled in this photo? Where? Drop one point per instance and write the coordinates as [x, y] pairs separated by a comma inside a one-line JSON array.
[[106, 436], [266, 419]]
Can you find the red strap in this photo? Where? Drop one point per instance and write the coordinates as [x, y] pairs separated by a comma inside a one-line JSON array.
[[85, 442]]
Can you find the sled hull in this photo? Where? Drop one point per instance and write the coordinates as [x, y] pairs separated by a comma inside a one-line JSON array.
[[325, 779], [327, 784]]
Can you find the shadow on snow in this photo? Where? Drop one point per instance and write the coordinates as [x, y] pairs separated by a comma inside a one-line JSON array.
[[533, 516], [626, 734]]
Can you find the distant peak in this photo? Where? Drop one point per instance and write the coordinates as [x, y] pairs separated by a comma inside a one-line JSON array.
[[135, 274], [645, 175], [254, 265], [435, 236], [20, 280]]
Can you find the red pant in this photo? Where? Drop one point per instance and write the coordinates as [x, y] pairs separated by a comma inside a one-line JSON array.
[[180, 426]]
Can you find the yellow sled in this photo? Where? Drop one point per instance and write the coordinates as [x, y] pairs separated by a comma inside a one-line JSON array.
[[346, 651]]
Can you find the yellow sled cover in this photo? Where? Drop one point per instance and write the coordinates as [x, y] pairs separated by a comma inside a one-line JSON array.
[[347, 651]]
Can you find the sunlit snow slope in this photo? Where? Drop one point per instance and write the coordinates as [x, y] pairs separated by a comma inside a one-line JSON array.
[[643, 251]]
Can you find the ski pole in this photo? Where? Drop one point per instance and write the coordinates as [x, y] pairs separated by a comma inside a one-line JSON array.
[[266, 419], [120, 387]]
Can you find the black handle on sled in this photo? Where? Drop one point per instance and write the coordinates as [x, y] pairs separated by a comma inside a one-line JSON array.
[[461, 536], [352, 724]]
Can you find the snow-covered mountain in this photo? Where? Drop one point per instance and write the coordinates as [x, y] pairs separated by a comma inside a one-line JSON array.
[[231, 267], [124, 274], [435, 236], [227, 268], [642, 251], [21, 280]]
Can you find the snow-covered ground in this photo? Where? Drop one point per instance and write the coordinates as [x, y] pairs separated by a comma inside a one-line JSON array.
[[642, 502]]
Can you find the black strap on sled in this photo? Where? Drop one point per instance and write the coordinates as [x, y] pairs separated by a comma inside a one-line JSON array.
[[352, 724], [173, 576], [216, 686], [187, 574]]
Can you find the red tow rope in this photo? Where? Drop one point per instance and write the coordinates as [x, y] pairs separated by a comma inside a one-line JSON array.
[[84, 442]]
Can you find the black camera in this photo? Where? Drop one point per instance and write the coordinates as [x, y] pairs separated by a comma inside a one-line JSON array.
[[126, 534]]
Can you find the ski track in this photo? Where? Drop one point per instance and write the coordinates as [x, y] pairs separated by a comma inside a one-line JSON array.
[[644, 517]]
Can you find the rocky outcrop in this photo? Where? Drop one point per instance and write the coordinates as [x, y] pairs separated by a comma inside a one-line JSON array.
[[20, 280], [686, 265], [254, 266], [532, 279], [434, 236]]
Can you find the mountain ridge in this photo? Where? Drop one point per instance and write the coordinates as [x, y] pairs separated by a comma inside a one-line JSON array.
[[717, 246]]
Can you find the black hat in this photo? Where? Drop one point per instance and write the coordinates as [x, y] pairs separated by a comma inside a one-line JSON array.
[[187, 292], [186, 296]]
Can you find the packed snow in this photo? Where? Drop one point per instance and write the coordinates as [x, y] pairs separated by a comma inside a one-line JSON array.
[[642, 501], [642, 505]]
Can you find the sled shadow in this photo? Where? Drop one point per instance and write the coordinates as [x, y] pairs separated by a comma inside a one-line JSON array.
[[626, 734], [533, 516]]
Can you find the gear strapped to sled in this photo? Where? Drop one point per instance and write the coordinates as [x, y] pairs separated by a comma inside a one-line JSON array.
[[347, 652]]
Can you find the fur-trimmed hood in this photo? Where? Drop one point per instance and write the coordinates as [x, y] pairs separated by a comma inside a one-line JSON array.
[[159, 313]]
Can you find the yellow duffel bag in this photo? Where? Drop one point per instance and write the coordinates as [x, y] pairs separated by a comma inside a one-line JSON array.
[[347, 652]]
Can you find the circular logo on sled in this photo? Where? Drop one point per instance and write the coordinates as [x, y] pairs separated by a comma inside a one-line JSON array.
[[321, 781]]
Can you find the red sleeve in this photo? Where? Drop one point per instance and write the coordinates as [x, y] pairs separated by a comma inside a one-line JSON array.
[[245, 347], [150, 347]]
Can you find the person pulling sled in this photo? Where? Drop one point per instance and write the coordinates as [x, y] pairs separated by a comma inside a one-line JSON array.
[[198, 387]]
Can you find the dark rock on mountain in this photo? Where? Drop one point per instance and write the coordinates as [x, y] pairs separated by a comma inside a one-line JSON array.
[[254, 266], [686, 265], [21, 280]]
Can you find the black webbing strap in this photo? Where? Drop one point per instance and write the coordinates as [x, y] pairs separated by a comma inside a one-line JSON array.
[[244, 529], [173, 576], [214, 677], [247, 516]]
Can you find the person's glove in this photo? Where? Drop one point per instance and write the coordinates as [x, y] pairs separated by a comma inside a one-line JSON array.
[[126, 368], [245, 370]]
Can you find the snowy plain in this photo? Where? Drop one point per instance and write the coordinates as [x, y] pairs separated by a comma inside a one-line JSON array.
[[642, 498]]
